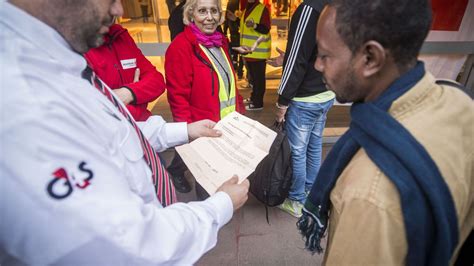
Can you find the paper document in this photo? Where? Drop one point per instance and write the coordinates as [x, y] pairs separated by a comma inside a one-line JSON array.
[[257, 42], [246, 50], [243, 144]]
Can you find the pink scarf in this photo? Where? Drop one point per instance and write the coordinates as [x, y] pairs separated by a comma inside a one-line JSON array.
[[212, 40]]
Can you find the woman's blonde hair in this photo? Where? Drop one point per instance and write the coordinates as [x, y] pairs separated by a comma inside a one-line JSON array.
[[191, 5]]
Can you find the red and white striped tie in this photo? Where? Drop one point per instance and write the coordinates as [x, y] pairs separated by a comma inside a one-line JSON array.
[[161, 180]]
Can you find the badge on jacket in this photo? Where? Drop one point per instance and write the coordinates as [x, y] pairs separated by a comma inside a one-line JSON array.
[[129, 63]]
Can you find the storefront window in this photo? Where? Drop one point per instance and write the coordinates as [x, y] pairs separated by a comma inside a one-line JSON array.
[[154, 27]]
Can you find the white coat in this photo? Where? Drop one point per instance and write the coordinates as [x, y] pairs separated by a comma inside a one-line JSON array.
[[74, 187]]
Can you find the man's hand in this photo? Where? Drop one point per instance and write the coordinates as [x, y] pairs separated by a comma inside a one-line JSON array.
[[280, 114], [277, 61], [202, 128], [124, 95], [238, 193]]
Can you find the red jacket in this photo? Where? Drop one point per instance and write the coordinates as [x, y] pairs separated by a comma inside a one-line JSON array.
[[106, 61], [192, 83]]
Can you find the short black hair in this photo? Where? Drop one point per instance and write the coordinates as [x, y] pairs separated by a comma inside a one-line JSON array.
[[400, 26]]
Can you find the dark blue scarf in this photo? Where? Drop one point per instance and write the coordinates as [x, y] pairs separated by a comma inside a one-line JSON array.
[[428, 209]]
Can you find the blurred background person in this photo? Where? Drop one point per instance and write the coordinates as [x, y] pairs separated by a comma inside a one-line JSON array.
[[123, 67], [171, 5], [231, 25], [255, 22], [200, 77], [144, 7], [282, 8], [175, 21]]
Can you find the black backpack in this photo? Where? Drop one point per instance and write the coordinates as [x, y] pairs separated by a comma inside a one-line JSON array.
[[271, 180]]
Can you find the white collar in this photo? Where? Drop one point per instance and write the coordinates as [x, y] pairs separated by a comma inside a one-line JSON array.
[[42, 36]]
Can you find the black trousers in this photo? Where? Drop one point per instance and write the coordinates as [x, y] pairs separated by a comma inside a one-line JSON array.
[[256, 70], [237, 60], [177, 168], [145, 13]]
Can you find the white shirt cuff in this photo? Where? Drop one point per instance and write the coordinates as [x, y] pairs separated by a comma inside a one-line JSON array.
[[176, 133], [223, 204]]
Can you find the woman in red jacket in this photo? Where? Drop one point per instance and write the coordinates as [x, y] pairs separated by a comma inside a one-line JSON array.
[[122, 66], [200, 78]]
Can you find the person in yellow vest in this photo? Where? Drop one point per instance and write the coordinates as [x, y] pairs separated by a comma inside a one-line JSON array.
[[254, 23], [200, 77]]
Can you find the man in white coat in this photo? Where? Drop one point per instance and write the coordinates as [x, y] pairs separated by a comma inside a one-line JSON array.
[[55, 126]]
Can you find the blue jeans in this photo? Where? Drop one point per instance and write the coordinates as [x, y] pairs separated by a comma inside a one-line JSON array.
[[304, 125]]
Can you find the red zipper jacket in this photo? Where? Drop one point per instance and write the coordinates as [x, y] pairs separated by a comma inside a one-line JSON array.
[[108, 62], [192, 82]]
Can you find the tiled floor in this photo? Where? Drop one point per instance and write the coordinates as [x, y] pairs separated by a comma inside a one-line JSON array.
[[248, 239]]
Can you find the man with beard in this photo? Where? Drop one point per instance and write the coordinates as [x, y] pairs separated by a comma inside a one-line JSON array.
[[398, 186], [80, 177]]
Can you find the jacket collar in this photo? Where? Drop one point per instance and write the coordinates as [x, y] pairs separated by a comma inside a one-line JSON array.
[[188, 33], [250, 6], [422, 91], [114, 31]]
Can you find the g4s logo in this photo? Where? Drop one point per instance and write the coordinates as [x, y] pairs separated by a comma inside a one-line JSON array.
[[61, 186]]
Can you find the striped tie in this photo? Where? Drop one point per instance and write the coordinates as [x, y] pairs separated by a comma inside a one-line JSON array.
[[161, 180]]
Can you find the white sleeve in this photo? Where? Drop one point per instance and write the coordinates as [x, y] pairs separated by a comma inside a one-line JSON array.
[[164, 135], [65, 199]]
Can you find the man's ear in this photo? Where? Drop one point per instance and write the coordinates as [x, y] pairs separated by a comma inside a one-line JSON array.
[[374, 58]]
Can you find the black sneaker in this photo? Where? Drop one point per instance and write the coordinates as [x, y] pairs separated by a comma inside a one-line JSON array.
[[181, 184], [201, 193], [253, 107]]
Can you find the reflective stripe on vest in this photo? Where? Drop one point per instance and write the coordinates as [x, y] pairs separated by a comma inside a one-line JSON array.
[[226, 101], [248, 35]]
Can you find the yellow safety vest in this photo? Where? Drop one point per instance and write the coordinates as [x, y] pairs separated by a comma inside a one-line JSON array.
[[226, 98], [248, 35]]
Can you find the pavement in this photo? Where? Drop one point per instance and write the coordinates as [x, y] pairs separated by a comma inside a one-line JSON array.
[[248, 239]]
